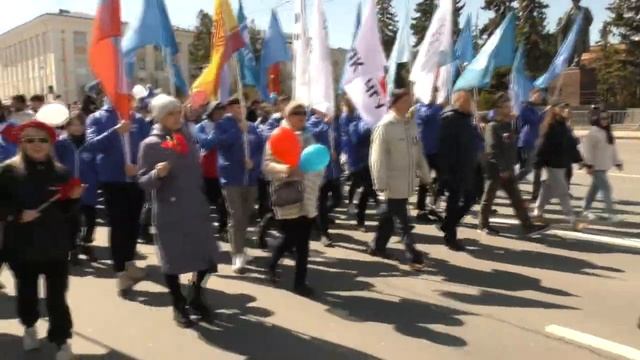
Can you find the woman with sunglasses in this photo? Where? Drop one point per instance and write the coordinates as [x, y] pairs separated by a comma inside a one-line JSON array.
[[558, 149], [170, 171], [36, 232], [295, 219]]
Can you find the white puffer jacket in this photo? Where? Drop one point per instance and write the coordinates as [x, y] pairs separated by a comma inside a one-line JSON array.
[[597, 152]]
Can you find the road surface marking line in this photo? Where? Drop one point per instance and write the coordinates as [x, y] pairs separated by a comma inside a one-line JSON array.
[[624, 175], [594, 342]]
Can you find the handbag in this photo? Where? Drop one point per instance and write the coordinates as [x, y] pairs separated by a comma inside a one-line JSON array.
[[287, 193]]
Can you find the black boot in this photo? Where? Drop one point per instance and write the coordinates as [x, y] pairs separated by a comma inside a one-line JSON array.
[[196, 305], [181, 314]]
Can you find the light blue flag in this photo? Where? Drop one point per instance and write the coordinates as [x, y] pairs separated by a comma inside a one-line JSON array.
[[561, 61], [520, 84], [499, 51], [246, 60], [274, 50], [401, 52], [355, 33], [152, 27], [464, 51]]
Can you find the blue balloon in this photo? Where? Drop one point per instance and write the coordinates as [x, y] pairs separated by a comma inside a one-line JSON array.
[[314, 158]]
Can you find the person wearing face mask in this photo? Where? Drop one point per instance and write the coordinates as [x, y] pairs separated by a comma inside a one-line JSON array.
[[170, 171], [558, 150], [36, 215], [79, 159], [600, 155]]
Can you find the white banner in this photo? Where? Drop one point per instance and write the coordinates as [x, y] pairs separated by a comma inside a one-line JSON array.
[[301, 54], [322, 94]]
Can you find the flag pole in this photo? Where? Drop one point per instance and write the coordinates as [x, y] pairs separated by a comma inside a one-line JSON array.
[[168, 59], [245, 142]]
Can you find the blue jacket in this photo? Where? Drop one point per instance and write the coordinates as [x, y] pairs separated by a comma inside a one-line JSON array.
[[427, 117], [529, 122], [272, 124], [107, 143], [360, 137], [7, 149], [231, 153], [81, 163], [329, 136], [345, 142]]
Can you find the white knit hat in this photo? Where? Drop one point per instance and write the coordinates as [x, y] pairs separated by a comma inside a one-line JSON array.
[[163, 104]]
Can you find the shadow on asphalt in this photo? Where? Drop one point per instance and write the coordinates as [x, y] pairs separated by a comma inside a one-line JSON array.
[[493, 298]]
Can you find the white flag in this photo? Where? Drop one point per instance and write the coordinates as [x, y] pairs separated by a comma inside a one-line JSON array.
[[431, 67], [364, 79], [301, 54], [322, 95]]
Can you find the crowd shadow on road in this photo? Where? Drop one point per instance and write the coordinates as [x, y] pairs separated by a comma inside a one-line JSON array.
[[497, 299]]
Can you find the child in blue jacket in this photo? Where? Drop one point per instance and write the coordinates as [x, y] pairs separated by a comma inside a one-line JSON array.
[[78, 157]]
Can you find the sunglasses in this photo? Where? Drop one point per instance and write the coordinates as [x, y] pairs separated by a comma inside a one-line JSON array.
[[299, 113], [41, 140]]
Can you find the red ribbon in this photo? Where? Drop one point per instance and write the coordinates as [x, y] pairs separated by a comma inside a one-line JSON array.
[[177, 143]]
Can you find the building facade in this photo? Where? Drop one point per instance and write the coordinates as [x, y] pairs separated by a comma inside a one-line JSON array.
[[49, 55]]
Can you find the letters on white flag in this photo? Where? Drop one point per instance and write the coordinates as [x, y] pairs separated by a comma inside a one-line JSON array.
[[364, 79], [322, 95], [301, 54]]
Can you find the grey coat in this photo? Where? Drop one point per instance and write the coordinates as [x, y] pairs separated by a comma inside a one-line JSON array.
[[180, 211]]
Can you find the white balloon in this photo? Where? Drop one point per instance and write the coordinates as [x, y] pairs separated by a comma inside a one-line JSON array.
[[139, 91], [54, 115]]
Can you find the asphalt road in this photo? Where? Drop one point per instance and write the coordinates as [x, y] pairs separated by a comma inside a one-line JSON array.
[[562, 295]]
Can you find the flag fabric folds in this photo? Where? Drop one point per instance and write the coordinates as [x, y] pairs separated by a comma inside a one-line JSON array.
[[274, 50], [322, 94], [499, 51], [355, 33], [364, 80], [226, 40], [401, 52], [246, 59], [301, 53], [464, 50], [520, 84], [561, 61], [432, 67], [153, 27], [105, 57]]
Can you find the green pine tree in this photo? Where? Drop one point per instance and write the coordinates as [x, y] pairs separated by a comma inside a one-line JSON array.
[[624, 24], [420, 22], [532, 32], [387, 23], [500, 8], [200, 48]]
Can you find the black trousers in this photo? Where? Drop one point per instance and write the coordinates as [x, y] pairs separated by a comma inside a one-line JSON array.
[[435, 189], [296, 235], [213, 191], [264, 198], [363, 178], [124, 203], [325, 207], [510, 187], [83, 226], [394, 209], [479, 182], [459, 202], [56, 275]]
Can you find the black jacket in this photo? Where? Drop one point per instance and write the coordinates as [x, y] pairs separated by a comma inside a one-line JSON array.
[[458, 150], [501, 147], [47, 238], [558, 148]]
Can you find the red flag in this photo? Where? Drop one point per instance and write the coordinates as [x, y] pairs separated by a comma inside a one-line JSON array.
[[105, 57], [274, 79]]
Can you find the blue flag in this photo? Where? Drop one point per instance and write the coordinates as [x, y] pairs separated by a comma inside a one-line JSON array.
[[520, 85], [274, 50], [401, 52], [355, 33], [464, 51], [246, 60], [153, 27], [561, 61], [498, 52]]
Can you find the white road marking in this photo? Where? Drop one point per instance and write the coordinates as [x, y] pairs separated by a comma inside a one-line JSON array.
[[594, 342], [618, 241], [625, 175]]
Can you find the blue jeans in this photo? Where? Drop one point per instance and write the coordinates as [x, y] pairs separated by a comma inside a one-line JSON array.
[[599, 183]]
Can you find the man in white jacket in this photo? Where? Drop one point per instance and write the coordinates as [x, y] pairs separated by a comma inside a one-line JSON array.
[[396, 159]]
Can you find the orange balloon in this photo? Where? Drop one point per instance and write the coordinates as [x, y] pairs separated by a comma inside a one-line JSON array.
[[285, 146]]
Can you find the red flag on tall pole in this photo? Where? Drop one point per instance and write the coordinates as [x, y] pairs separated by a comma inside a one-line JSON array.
[[105, 57]]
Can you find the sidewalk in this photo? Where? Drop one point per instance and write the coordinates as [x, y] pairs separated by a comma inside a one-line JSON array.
[[623, 135]]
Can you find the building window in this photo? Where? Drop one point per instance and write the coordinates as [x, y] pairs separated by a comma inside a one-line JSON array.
[[141, 59], [159, 59], [79, 43]]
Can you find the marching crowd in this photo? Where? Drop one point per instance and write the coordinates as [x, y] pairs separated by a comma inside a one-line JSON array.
[[181, 160]]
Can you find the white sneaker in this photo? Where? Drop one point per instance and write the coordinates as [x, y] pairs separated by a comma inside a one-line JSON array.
[[134, 272], [614, 218], [589, 215], [64, 353], [237, 264], [30, 339], [247, 258]]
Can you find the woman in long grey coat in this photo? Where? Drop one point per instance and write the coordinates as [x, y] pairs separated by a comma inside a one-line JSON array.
[[171, 173]]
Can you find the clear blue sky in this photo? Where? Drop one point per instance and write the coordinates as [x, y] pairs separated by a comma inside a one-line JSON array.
[[340, 13]]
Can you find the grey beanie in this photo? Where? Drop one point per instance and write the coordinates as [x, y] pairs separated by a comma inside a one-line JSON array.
[[163, 104]]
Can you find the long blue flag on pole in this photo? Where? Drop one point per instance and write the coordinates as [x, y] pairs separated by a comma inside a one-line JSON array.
[[274, 50], [520, 85], [246, 60], [561, 61], [401, 52]]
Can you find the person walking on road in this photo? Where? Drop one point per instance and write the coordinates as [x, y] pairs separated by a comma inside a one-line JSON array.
[[600, 155], [396, 159], [170, 171], [458, 163], [500, 142], [557, 151], [529, 121]]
